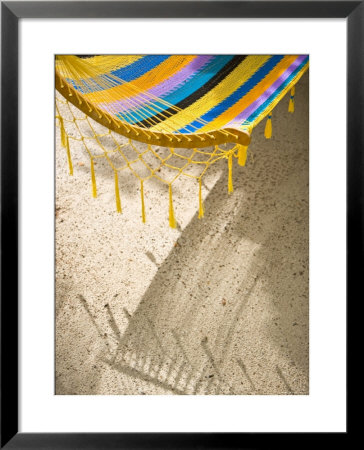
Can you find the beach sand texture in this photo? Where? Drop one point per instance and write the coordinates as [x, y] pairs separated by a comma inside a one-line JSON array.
[[218, 305]]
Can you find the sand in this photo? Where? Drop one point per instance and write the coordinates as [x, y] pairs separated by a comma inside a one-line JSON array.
[[216, 306]]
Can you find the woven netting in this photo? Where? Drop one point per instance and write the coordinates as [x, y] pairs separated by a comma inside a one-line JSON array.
[[203, 103]]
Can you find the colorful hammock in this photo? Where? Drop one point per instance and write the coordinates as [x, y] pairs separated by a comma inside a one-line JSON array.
[[190, 105]]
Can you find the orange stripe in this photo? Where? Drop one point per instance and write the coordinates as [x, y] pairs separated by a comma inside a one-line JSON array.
[[155, 76], [253, 95]]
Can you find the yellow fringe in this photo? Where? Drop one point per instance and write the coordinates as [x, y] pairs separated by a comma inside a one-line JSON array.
[[142, 197], [242, 154], [230, 165], [70, 165], [93, 179], [268, 127], [291, 100], [63, 132], [201, 211], [172, 220], [117, 193]]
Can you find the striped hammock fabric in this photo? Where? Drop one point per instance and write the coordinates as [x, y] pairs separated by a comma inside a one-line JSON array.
[[177, 102], [180, 100]]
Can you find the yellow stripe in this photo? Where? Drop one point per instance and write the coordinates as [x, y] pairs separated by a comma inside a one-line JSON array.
[[155, 76], [251, 96], [100, 65], [109, 63], [239, 135], [229, 85]]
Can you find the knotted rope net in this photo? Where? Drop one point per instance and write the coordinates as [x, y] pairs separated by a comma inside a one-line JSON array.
[[185, 111]]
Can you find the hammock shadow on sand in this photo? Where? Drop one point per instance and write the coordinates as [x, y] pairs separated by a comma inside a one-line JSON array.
[[194, 350], [183, 338]]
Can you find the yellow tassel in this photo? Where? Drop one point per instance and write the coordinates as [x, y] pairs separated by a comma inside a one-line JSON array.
[[291, 100], [117, 193], [93, 179], [70, 166], [172, 220], [242, 154], [268, 127], [230, 165], [63, 132], [142, 197], [201, 211]]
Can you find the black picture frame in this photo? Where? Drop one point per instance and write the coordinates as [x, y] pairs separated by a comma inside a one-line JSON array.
[[11, 12]]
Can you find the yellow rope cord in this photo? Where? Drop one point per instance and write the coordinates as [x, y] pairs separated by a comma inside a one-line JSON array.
[[242, 154], [172, 220], [268, 127], [144, 161], [117, 193], [201, 210], [291, 100], [142, 199], [63, 132], [88, 77], [93, 179], [91, 91], [70, 165], [89, 98]]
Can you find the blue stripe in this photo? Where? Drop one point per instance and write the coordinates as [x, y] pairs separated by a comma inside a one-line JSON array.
[[235, 96], [140, 67], [187, 88], [128, 73], [198, 80]]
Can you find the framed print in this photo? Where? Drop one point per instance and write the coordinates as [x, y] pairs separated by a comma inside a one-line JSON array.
[[175, 216]]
